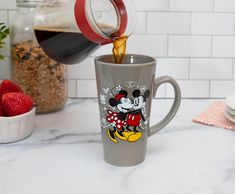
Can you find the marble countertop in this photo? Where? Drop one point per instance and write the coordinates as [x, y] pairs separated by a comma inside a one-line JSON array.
[[64, 156]]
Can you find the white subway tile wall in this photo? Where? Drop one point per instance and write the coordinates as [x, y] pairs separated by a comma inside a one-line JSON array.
[[168, 23], [153, 45], [212, 24], [191, 5], [152, 5], [191, 89], [8, 5], [189, 46], [175, 67], [223, 46], [220, 89], [213, 69], [4, 68], [72, 88], [192, 40], [86, 89], [224, 5], [234, 69], [141, 23]]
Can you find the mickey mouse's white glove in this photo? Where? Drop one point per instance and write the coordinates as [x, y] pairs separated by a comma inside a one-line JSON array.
[[146, 122]]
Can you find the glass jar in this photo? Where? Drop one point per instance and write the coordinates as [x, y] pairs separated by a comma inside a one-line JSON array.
[[44, 79]]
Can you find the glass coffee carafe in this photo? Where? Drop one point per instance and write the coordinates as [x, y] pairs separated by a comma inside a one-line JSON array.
[[70, 30]]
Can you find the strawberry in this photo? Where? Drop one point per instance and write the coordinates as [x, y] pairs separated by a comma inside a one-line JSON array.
[[1, 111], [8, 86], [16, 103]]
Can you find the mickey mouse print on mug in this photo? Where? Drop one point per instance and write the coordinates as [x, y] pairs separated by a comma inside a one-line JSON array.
[[125, 116]]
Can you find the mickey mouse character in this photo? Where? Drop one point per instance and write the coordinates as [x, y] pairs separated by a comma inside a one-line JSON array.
[[135, 116], [124, 105]]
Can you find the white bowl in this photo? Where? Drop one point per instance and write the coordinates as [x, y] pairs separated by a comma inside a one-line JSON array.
[[231, 111], [229, 116], [230, 102], [16, 128]]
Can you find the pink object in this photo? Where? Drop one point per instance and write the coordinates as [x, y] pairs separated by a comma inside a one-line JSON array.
[[215, 116]]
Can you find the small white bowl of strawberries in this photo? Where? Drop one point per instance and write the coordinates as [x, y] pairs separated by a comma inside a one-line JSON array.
[[17, 113]]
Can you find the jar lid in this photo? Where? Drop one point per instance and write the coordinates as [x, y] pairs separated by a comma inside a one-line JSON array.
[[28, 3]]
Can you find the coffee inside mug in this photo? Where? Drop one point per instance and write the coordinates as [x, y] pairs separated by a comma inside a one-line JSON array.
[[128, 59]]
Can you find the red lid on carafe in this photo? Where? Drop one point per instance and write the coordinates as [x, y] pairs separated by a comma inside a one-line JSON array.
[[86, 28]]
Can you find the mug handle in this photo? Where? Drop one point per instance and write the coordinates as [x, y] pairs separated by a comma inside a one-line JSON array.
[[159, 81]]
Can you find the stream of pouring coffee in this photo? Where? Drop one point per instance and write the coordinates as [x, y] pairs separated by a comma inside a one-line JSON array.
[[119, 49]]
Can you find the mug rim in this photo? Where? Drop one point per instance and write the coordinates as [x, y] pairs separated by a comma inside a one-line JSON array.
[[150, 62]]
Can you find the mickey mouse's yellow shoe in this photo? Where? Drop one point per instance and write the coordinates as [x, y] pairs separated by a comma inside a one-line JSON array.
[[111, 136], [120, 135], [128, 133], [135, 137]]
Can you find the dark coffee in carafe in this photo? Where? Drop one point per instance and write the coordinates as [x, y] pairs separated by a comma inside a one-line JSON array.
[[70, 47], [65, 46]]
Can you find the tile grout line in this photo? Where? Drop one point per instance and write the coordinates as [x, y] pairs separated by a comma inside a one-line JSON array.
[[209, 89], [190, 30], [76, 89], [168, 46], [233, 69], [165, 92], [189, 69], [181, 79], [187, 34], [8, 18], [234, 24], [200, 12], [146, 25], [9, 57], [213, 6], [212, 46], [192, 57], [166, 11]]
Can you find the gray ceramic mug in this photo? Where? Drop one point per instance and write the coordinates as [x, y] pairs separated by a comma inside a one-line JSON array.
[[125, 93]]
